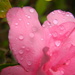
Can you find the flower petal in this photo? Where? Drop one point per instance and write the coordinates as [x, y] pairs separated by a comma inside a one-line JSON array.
[[15, 70], [26, 37]]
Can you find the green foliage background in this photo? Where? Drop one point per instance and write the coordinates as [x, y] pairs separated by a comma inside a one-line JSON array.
[[43, 7]]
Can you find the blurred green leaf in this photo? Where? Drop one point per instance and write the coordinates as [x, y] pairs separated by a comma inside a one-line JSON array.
[[41, 6], [6, 65], [48, 0], [2, 56], [60, 4], [4, 7], [42, 19], [22, 3]]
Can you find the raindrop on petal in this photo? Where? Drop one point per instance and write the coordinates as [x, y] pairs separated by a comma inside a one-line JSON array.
[[23, 46], [21, 59], [21, 52], [42, 39], [55, 21], [16, 23], [20, 19], [29, 63], [55, 34], [28, 16], [31, 10], [21, 37], [28, 23], [68, 62], [34, 29], [57, 43], [61, 27], [31, 35], [62, 72]]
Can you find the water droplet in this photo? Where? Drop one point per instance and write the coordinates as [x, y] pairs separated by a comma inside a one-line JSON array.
[[23, 46], [67, 15], [31, 10], [21, 52], [20, 19], [57, 43], [21, 59], [31, 35], [34, 29], [43, 25], [28, 16], [52, 12], [55, 21], [27, 49], [61, 27], [29, 62], [16, 23], [68, 62], [28, 23], [54, 34], [42, 39], [59, 11], [62, 72], [49, 23], [21, 37]]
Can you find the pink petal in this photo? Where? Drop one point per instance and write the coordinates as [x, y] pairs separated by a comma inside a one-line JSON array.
[[15, 70], [61, 46], [26, 37], [58, 17]]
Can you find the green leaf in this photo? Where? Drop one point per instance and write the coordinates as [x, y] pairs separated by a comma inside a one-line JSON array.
[[4, 7], [22, 3], [2, 56], [60, 4], [6, 65], [41, 6], [42, 19]]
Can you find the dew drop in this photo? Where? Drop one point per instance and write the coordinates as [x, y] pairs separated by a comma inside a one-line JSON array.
[[54, 34], [28, 23], [68, 62], [57, 43], [20, 19], [44, 26], [61, 27], [16, 23], [55, 21], [34, 29], [62, 72], [21, 59], [49, 23], [31, 10], [27, 49], [59, 11], [29, 63], [52, 12], [23, 46], [42, 39], [67, 15], [21, 37], [28, 16], [21, 52], [31, 35]]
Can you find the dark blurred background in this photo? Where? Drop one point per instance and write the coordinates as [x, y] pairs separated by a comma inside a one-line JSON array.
[[43, 7]]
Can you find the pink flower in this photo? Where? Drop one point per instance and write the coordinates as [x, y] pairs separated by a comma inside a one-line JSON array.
[[41, 50]]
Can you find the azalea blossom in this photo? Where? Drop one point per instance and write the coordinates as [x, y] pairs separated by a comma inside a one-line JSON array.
[[47, 49]]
